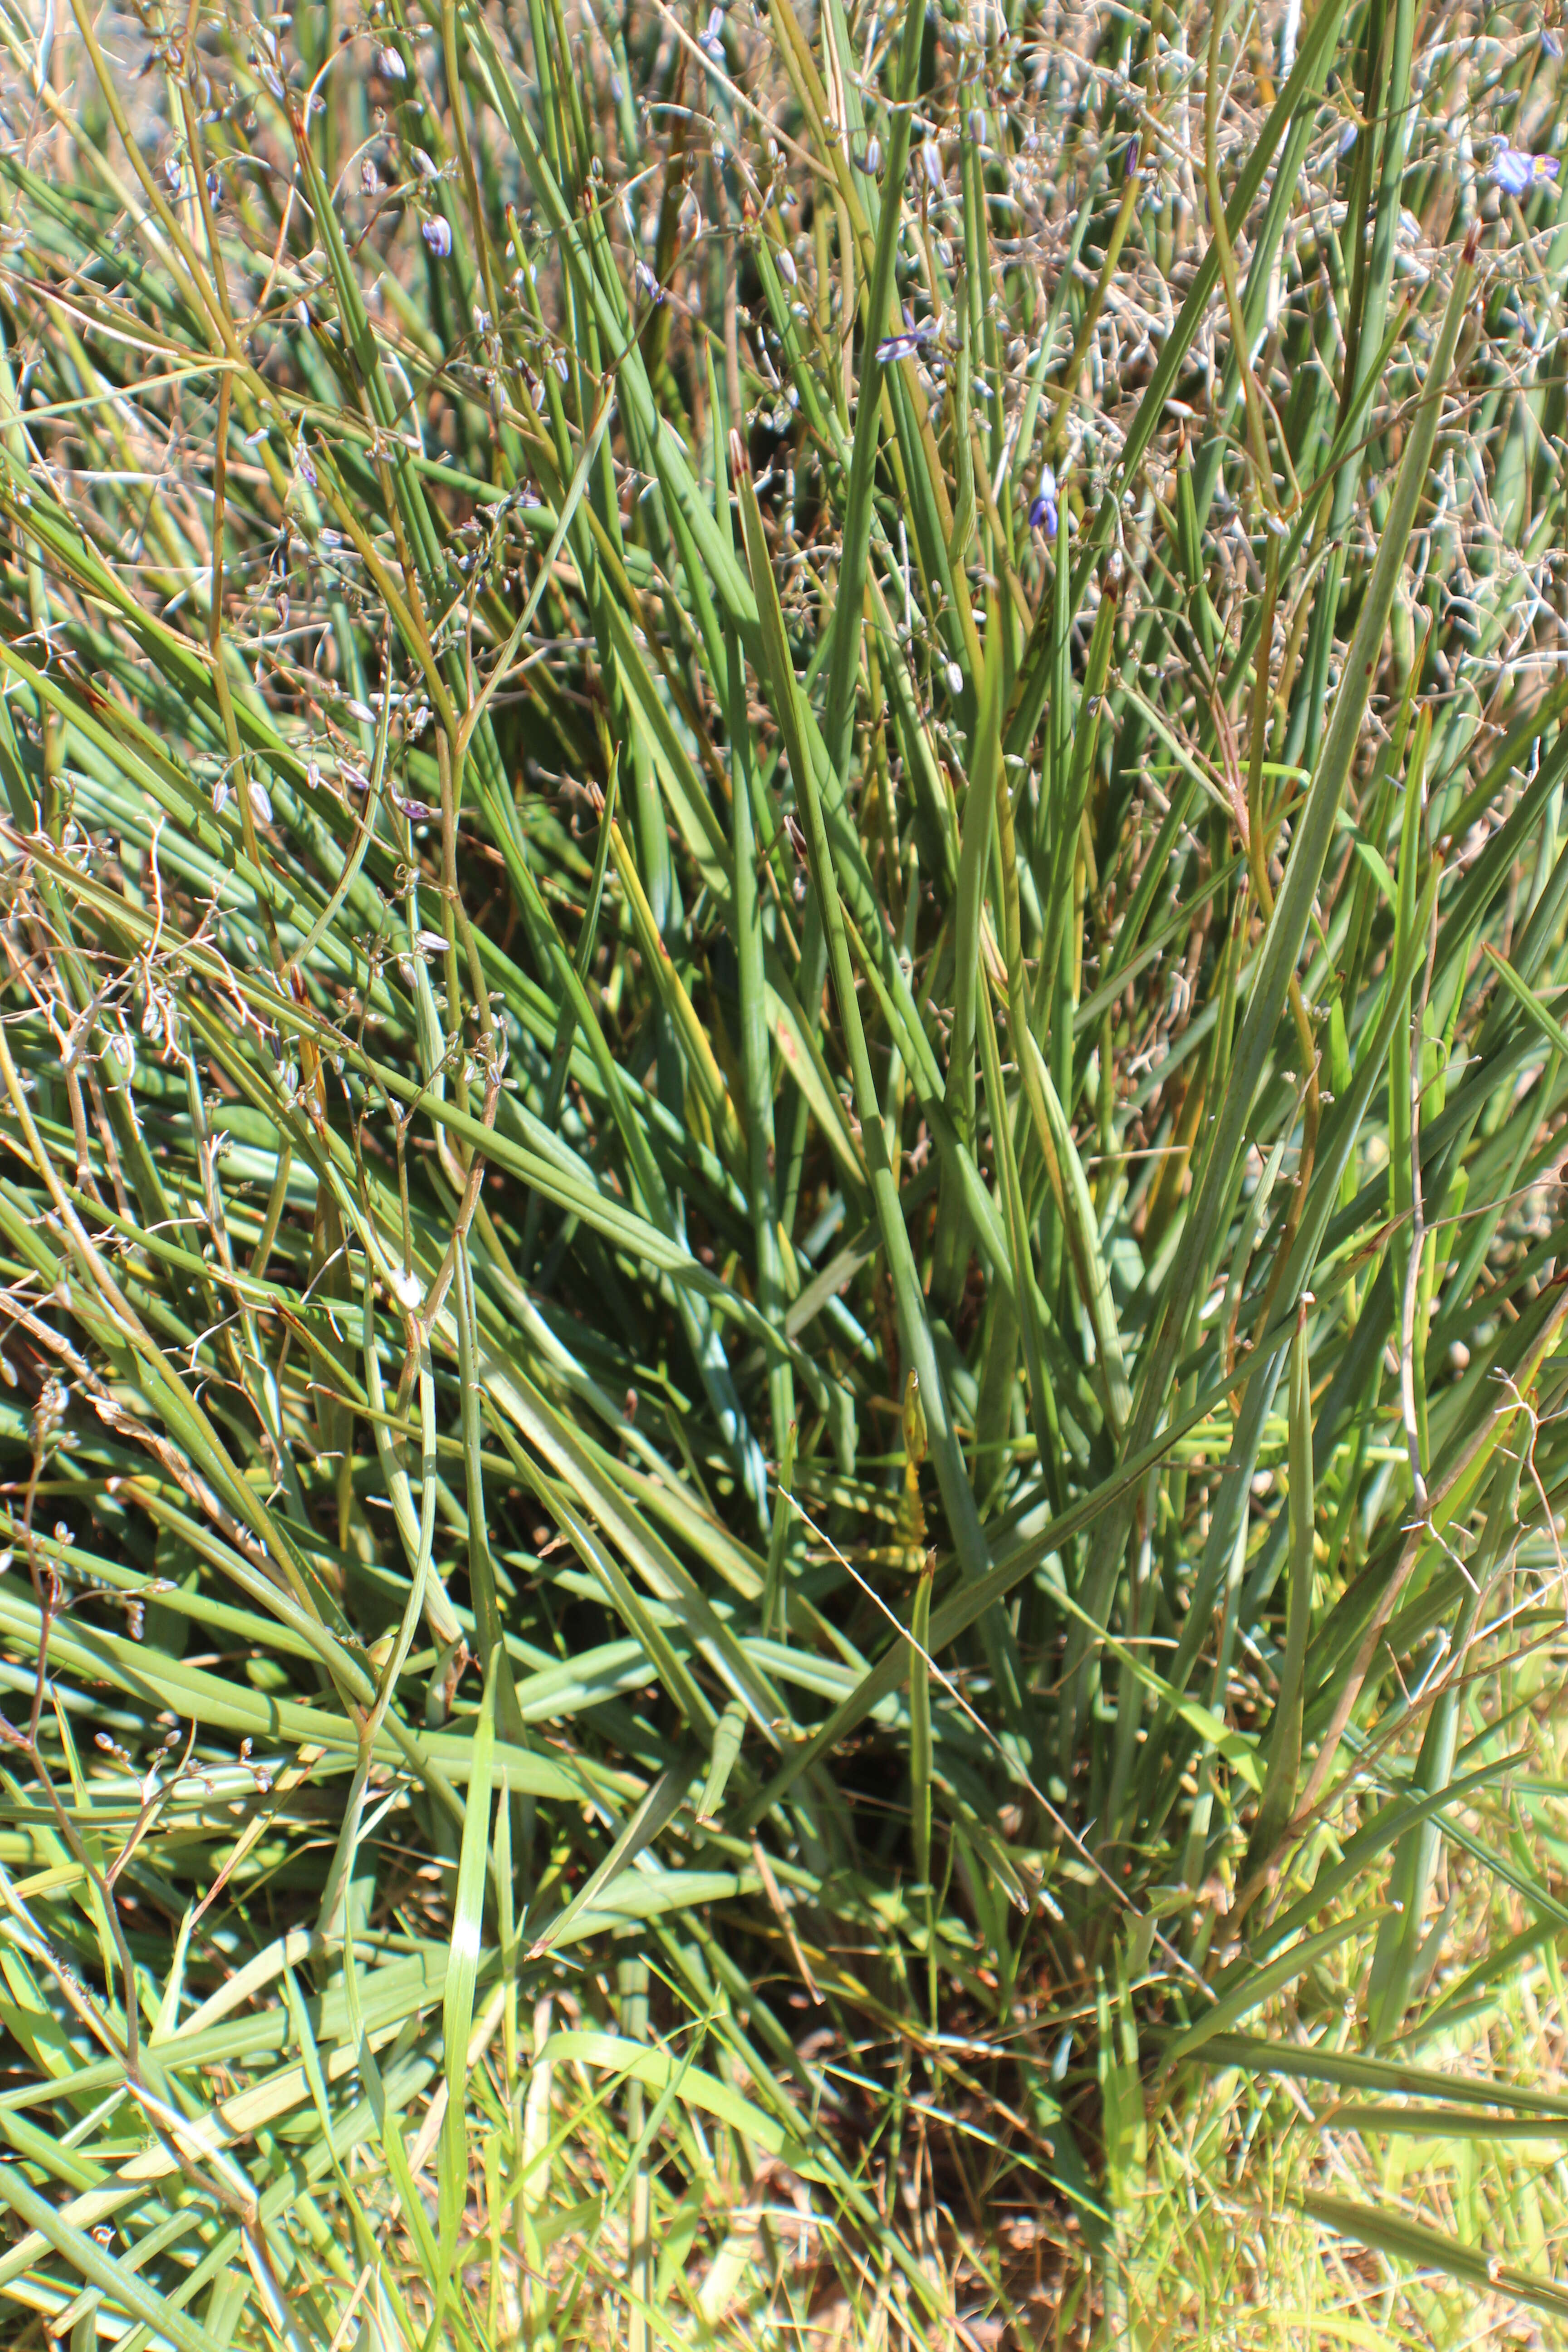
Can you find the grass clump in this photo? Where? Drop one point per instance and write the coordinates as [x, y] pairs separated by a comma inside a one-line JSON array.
[[783, 1069]]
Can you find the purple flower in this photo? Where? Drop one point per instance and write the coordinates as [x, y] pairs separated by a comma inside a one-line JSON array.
[[307, 470], [711, 38], [416, 811], [905, 346], [437, 235], [1043, 513], [647, 280], [1515, 172]]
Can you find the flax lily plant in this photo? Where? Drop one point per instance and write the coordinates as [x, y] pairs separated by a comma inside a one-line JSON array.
[[781, 1075]]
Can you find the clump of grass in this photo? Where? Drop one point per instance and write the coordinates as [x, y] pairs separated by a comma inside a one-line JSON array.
[[783, 1073]]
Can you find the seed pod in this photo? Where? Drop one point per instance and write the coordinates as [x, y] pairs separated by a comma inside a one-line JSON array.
[[914, 1423]]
